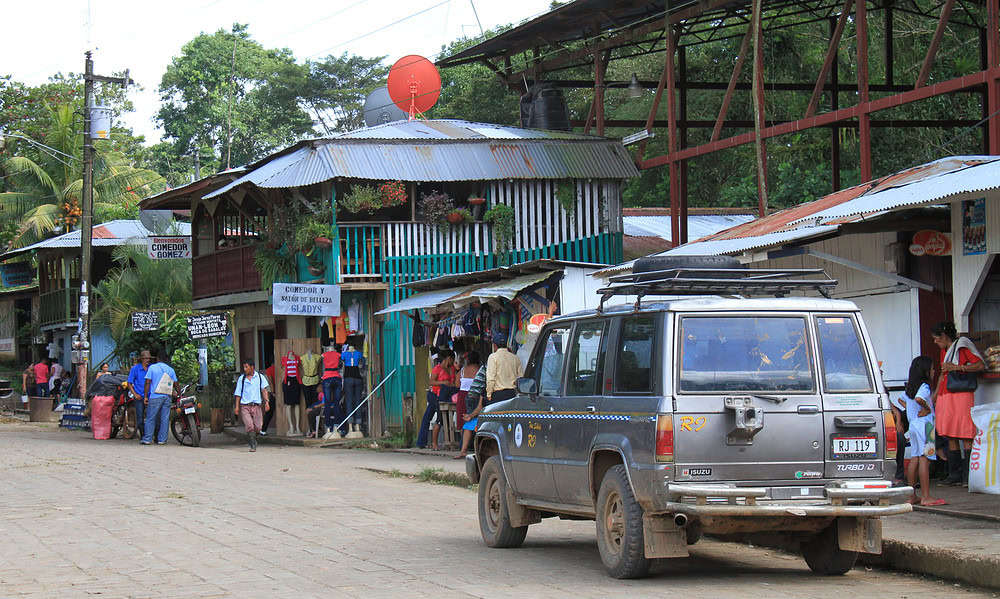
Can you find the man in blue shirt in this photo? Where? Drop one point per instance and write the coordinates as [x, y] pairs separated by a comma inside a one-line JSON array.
[[137, 386], [157, 392], [251, 391]]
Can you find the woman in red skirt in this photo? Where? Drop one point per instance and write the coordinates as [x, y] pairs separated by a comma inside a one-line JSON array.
[[954, 410]]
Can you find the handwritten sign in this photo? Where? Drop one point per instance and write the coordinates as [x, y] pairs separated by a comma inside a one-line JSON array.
[[145, 321], [292, 299], [168, 248], [204, 326]]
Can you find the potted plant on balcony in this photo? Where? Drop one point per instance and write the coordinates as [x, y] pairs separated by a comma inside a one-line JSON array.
[[274, 265], [459, 216], [393, 193], [361, 198], [501, 217], [478, 204], [435, 208], [312, 232]]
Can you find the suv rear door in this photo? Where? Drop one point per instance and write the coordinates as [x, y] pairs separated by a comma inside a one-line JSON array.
[[746, 404], [855, 443]]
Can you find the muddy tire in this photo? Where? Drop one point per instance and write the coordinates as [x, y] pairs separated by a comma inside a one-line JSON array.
[[494, 519], [619, 527], [824, 556]]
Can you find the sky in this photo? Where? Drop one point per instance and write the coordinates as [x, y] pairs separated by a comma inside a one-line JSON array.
[[49, 36]]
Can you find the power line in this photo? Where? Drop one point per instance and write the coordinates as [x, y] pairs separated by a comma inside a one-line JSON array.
[[382, 28], [318, 21]]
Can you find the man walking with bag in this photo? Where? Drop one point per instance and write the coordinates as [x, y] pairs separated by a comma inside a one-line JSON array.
[[251, 391], [157, 391]]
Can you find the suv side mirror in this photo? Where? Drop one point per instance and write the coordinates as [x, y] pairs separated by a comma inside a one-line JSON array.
[[526, 386]]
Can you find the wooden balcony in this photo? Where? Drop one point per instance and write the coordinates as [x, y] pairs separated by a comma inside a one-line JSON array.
[[59, 307], [226, 271]]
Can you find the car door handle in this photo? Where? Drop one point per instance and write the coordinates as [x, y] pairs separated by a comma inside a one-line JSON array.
[[808, 409], [591, 408], [854, 421]]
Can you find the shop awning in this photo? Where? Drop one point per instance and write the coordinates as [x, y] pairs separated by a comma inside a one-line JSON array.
[[468, 294]]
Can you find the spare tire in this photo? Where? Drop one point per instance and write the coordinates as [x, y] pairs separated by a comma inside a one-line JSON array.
[[659, 263]]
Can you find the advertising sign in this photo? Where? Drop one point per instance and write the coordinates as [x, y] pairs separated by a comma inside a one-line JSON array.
[[204, 326], [16, 274], [145, 321], [974, 227], [294, 299], [168, 248], [931, 243]]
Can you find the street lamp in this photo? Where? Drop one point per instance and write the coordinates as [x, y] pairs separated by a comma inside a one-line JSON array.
[[634, 89]]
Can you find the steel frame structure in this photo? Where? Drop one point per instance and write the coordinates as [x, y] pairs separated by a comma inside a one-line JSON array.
[[635, 27]]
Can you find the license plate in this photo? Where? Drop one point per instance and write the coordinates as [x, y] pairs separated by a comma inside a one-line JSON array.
[[854, 447], [189, 410]]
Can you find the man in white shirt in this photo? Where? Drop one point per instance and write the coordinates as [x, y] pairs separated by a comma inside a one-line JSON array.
[[251, 391]]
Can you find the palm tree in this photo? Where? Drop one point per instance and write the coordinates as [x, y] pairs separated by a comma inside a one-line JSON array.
[[47, 192], [141, 283]]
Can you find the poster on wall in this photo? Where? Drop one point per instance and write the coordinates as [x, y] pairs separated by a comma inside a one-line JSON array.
[[974, 227], [15, 274]]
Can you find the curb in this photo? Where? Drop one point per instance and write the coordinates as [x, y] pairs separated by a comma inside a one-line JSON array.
[[943, 511], [287, 441], [968, 568]]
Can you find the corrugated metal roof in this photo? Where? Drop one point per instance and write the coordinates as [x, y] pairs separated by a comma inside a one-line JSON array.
[[698, 225], [449, 150], [109, 234], [458, 296], [717, 247], [930, 183]]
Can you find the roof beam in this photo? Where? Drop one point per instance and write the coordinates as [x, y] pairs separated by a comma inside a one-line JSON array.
[[724, 110], [831, 54], [925, 69]]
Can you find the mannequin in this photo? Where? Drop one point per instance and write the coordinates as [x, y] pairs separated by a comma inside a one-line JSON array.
[[354, 363], [291, 387], [311, 370]]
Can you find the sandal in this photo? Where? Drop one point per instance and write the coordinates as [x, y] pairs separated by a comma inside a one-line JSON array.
[[458, 457], [933, 502]]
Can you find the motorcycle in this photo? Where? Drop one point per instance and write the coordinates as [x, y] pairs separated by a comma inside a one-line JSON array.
[[123, 417], [185, 422]]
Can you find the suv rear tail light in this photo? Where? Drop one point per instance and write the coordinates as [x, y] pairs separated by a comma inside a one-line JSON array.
[[889, 434], [664, 438]]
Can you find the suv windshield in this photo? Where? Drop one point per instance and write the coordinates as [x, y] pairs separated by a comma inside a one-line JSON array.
[[744, 353]]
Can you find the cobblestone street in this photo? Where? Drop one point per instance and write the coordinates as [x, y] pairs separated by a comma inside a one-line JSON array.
[[112, 519]]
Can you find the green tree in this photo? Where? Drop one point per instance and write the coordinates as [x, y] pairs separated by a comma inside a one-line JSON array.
[[335, 89], [228, 92], [44, 192], [472, 92]]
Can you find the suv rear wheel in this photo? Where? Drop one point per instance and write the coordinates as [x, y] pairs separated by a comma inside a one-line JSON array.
[[824, 555], [619, 527], [494, 518]]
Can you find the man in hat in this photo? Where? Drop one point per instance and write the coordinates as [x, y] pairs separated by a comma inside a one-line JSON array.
[[503, 368], [251, 391]]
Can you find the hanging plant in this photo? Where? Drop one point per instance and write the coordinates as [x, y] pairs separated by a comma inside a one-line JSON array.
[[501, 217], [460, 216], [393, 193], [566, 194], [434, 209], [308, 234], [361, 198], [274, 265]]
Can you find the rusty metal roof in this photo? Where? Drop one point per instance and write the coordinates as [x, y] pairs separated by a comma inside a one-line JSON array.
[[443, 150]]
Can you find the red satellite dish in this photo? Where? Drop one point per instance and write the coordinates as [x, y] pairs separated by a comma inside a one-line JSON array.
[[414, 84]]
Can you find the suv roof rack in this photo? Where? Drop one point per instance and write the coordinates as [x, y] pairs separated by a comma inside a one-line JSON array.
[[716, 281]]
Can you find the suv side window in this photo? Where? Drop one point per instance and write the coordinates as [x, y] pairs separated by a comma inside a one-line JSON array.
[[845, 369], [586, 359], [549, 360], [634, 358]]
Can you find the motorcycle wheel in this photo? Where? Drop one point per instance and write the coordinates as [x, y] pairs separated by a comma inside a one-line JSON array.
[[195, 430], [130, 427], [117, 421], [177, 429]]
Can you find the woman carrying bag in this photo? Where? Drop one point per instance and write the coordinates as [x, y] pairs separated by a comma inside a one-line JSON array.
[[960, 361]]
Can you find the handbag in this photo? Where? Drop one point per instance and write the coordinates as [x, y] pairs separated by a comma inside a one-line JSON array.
[[960, 382]]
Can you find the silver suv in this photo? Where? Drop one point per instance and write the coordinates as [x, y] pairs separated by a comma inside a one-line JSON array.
[[722, 414]]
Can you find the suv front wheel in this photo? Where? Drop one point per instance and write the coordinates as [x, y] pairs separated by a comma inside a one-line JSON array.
[[494, 515], [619, 527]]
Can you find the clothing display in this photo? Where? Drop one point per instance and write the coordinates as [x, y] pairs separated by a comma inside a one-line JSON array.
[[291, 366], [353, 361], [310, 363], [291, 391], [331, 364]]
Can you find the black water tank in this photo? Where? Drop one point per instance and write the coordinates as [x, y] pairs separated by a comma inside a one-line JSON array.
[[544, 107]]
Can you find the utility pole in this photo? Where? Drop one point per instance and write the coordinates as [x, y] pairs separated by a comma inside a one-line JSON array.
[[81, 344]]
